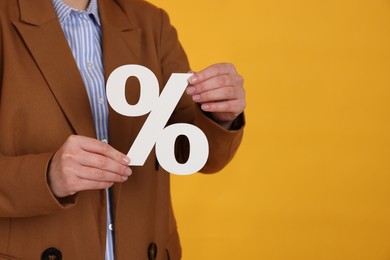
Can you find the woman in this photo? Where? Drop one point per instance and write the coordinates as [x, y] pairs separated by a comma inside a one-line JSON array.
[[55, 169]]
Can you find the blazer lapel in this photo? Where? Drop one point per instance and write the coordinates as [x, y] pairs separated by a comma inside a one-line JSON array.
[[121, 45], [121, 36], [43, 36]]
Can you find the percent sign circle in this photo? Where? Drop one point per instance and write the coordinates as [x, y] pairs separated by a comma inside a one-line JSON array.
[[154, 132]]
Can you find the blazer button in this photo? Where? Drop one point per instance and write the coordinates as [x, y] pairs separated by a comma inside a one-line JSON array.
[[152, 251], [51, 254]]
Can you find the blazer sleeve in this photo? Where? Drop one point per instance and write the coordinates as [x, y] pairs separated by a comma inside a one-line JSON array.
[[223, 143], [24, 191]]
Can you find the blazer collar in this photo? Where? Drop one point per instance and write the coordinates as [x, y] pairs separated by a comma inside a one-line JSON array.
[[39, 12], [36, 12]]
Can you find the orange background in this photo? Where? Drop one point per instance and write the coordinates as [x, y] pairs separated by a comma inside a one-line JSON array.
[[311, 179]]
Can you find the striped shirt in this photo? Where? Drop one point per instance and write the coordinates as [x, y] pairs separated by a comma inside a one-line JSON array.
[[83, 33]]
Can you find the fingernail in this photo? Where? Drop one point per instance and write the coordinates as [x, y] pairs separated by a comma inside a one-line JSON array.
[[205, 107], [190, 90], [193, 79], [126, 160], [124, 178], [128, 171], [196, 97]]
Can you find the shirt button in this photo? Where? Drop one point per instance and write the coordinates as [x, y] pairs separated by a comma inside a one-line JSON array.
[[90, 65], [104, 141], [111, 227], [100, 101]]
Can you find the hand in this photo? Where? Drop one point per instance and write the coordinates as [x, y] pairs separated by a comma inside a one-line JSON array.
[[84, 163], [220, 90]]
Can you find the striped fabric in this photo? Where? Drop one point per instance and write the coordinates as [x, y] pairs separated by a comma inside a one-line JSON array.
[[83, 32]]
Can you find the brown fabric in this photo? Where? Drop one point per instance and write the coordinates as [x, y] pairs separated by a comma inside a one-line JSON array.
[[43, 101]]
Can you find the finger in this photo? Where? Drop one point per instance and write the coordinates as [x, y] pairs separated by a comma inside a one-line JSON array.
[[220, 94], [213, 83], [99, 175], [98, 161], [96, 146], [234, 107], [212, 71], [84, 184]]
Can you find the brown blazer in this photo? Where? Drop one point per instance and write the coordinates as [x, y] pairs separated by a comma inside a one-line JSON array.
[[43, 102]]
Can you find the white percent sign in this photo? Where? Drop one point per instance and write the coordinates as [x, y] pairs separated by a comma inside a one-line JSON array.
[[160, 108]]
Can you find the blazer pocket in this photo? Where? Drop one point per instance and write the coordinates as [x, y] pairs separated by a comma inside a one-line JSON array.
[[173, 247], [7, 257]]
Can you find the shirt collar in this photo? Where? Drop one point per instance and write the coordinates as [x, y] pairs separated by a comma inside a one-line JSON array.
[[63, 11]]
